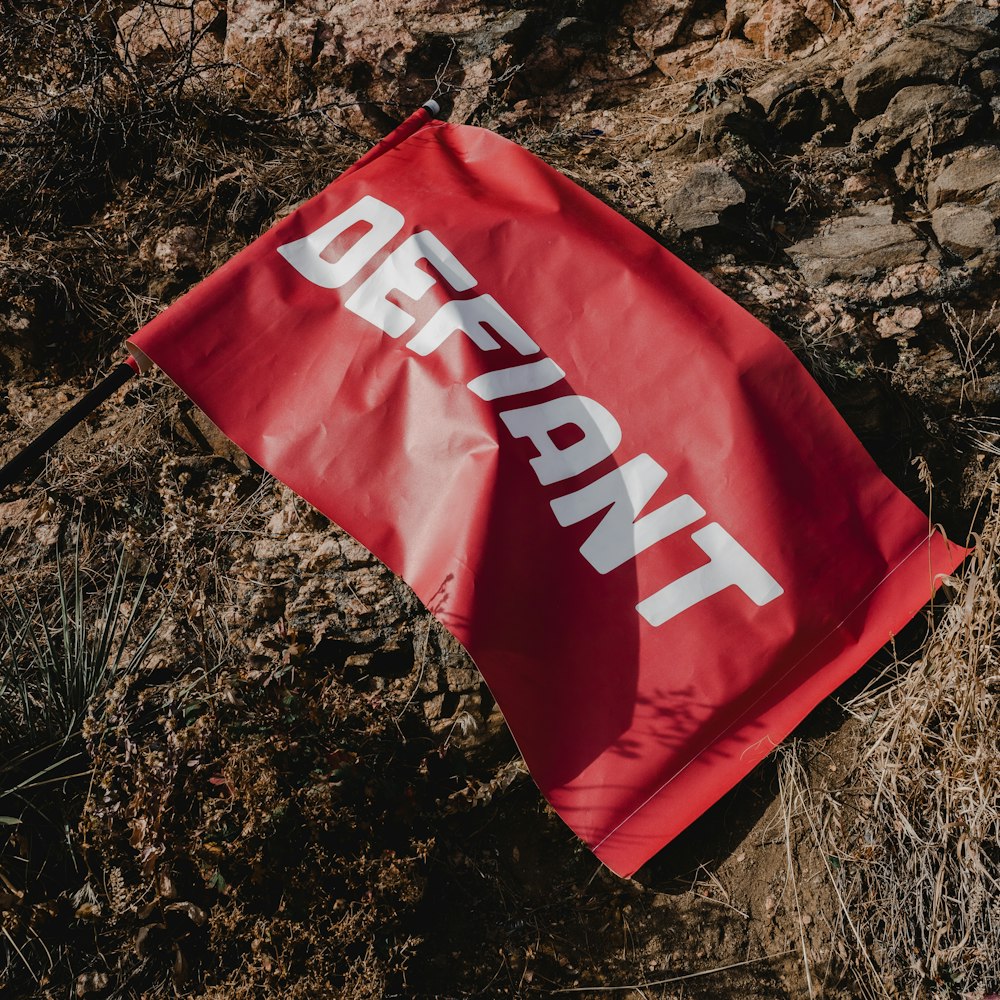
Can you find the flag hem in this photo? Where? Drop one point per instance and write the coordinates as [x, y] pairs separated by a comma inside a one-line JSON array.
[[833, 679]]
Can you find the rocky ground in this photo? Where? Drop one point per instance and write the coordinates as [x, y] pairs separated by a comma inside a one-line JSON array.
[[302, 788]]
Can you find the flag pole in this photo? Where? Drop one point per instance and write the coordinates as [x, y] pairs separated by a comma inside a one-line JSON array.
[[56, 431], [13, 470]]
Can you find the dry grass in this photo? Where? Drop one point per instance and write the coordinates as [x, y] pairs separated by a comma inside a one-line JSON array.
[[911, 839], [930, 884]]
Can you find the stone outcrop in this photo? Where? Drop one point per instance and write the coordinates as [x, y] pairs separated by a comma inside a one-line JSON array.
[[803, 96], [858, 246], [925, 116], [705, 196], [778, 28], [658, 27], [964, 198], [965, 230], [782, 28], [933, 51], [973, 175], [355, 59]]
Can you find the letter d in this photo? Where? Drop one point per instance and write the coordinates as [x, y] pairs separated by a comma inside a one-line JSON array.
[[305, 255]]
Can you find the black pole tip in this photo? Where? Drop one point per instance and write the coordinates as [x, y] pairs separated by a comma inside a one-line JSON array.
[[20, 463]]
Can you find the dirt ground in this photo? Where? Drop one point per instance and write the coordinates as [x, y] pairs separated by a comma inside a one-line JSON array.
[[302, 788]]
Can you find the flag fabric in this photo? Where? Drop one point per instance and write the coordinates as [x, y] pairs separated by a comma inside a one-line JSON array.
[[653, 533]]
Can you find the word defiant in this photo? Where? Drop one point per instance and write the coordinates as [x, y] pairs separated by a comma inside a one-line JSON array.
[[622, 494]]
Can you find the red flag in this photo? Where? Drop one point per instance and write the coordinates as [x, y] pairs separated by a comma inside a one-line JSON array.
[[650, 529]]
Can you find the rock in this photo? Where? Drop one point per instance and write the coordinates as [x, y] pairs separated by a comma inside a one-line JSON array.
[[357, 664], [359, 58], [824, 14], [706, 194], [869, 14], [901, 322], [925, 115], [432, 707], [178, 248], [803, 111], [975, 176], [462, 678], [738, 12], [711, 26], [20, 345], [803, 96], [908, 168], [553, 58], [858, 245], [657, 26], [908, 280], [965, 230], [780, 27], [931, 374], [931, 51], [861, 187], [163, 32], [708, 59], [273, 48], [740, 118], [983, 73]]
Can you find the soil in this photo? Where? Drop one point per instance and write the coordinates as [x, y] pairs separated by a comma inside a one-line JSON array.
[[305, 789]]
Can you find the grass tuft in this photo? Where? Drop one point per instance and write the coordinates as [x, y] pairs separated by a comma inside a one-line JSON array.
[[55, 662]]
